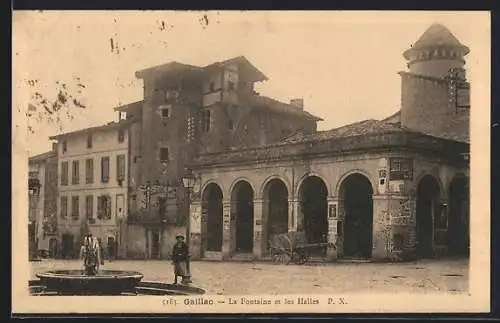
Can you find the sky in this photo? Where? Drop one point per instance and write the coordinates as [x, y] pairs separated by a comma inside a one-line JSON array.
[[343, 64]]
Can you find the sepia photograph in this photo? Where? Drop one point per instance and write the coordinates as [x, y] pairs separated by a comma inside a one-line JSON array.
[[250, 161]]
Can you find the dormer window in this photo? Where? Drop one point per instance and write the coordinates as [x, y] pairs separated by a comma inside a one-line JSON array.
[[64, 146]]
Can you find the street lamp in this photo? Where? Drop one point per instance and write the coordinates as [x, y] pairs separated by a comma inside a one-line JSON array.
[[188, 180]]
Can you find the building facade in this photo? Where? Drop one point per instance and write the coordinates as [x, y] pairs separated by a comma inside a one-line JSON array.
[[188, 110], [92, 187], [42, 184], [384, 190]]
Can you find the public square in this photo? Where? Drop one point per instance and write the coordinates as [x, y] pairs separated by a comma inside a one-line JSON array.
[[229, 278]]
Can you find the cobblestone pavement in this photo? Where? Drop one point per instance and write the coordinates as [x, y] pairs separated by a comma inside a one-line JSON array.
[[229, 278]]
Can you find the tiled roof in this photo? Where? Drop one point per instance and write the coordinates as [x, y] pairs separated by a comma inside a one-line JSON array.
[[42, 157], [107, 126], [278, 106], [172, 66], [437, 34], [365, 127]]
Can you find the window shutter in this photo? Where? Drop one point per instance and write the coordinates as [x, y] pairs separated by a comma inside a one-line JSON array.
[[108, 207]]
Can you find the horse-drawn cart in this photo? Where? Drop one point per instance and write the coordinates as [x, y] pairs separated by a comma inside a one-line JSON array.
[[287, 247]]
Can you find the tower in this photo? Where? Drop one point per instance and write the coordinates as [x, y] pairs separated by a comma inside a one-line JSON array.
[[429, 102], [435, 53]]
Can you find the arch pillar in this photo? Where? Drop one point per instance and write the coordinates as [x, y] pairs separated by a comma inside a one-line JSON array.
[[227, 229], [258, 241], [195, 218], [334, 224], [294, 216]]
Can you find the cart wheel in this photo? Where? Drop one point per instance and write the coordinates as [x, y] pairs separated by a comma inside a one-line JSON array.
[[286, 258], [300, 257], [276, 258]]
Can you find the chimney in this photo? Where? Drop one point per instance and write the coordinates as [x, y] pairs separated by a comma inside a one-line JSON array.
[[299, 103]]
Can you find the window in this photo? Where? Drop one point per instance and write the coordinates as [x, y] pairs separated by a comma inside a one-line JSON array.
[[89, 141], [75, 207], [120, 167], [89, 171], [164, 154], [104, 207], [75, 173], [64, 207], [230, 124], [165, 111], [206, 120], [105, 169], [64, 146], [212, 86], [89, 206], [121, 135], [64, 173], [231, 86], [34, 186]]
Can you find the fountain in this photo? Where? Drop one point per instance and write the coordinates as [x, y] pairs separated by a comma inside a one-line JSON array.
[[103, 283], [92, 281]]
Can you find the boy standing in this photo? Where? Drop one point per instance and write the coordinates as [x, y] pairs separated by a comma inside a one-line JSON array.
[[180, 257]]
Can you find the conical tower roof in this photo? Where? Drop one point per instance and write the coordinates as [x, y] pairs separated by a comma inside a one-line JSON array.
[[438, 35]]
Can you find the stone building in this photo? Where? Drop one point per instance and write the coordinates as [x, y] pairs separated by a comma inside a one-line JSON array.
[[92, 187], [381, 190], [42, 200], [188, 110]]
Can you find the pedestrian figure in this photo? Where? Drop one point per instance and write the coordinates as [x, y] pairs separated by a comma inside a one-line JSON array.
[[180, 257]]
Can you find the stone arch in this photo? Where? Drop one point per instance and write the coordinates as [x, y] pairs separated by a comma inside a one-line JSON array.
[[212, 217], [422, 174], [336, 191], [212, 181], [272, 177], [242, 209], [312, 174], [237, 181]]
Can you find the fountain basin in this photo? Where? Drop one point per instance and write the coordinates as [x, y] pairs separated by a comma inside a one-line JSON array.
[[76, 282]]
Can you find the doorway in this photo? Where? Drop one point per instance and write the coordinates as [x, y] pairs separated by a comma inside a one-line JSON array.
[[212, 204], [356, 193], [52, 248], [313, 202], [155, 244], [427, 209], [67, 251], [276, 199], [111, 248], [458, 217], [243, 202]]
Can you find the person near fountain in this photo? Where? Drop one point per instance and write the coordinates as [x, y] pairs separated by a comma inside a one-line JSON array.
[[180, 255], [90, 253]]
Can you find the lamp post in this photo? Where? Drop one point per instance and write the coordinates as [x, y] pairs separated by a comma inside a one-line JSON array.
[[188, 181]]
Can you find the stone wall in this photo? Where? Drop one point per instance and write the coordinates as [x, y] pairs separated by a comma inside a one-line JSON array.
[[426, 107], [139, 241]]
